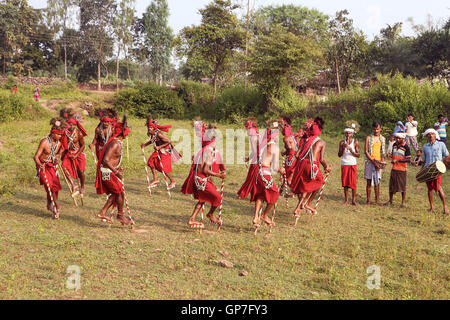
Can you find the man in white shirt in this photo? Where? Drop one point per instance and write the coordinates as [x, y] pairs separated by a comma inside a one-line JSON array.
[[411, 133]]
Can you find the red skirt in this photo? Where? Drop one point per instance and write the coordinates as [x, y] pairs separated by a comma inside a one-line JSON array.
[[348, 176], [290, 169], [249, 183], [52, 177], [434, 184], [71, 165], [166, 160], [269, 195], [301, 181], [209, 195]]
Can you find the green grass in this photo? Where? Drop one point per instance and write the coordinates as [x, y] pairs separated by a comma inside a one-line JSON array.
[[163, 259]]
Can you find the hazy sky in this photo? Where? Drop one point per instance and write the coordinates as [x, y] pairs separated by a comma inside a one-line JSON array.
[[368, 15]]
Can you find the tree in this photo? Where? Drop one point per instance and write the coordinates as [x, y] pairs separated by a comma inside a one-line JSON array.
[[96, 26], [215, 39], [299, 20], [16, 27], [344, 53], [280, 57], [155, 38], [123, 22], [58, 17]]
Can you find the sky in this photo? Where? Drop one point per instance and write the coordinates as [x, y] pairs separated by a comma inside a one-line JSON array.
[[368, 15]]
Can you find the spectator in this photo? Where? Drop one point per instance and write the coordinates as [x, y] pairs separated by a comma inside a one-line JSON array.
[[37, 93], [14, 90], [411, 133], [440, 128], [399, 128]]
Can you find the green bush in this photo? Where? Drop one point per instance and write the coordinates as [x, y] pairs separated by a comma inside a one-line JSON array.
[[18, 106], [158, 100], [197, 97], [390, 100], [235, 104], [290, 102]]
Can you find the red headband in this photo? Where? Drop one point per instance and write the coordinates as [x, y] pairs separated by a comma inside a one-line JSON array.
[[108, 120], [55, 131], [118, 129], [251, 127], [158, 127]]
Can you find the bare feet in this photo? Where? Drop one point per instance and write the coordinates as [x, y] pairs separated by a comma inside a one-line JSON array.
[[431, 209], [368, 203], [387, 204], [105, 218], [268, 221], [345, 202], [446, 211], [354, 203], [214, 220], [195, 225], [297, 212], [311, 210], [379, 203], [154, 183], [171, 186], [403, 205], [256, 222], [82, 191], [124, 220]]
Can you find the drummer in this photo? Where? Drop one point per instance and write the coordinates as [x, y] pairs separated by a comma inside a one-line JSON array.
[[434, 151], [401, 156]]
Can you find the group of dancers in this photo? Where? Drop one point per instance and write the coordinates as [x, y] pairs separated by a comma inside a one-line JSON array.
[[300, 175]]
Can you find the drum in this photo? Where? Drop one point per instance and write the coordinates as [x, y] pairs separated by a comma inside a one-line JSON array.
[[431, 171], [447, 162]]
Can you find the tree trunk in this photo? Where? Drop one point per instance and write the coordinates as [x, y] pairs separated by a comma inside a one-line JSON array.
[[99, 83], [246, 46], [4, 65], [65, 61], [215, 84], [337, 76], [117, 67], [128, 70]]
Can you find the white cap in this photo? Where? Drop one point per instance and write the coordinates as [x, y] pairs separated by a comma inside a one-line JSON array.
[[349, 130], [400, 135], [431, 131]]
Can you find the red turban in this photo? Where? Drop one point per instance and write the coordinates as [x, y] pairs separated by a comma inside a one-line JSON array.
[[158, 127]]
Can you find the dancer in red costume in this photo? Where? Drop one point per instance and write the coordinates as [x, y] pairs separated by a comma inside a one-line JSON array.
[[264, 186], [104, 130], [206, 164], [307, 177], [252, 131], [110, 173], [164, 154], [46, 159], [73, 160]]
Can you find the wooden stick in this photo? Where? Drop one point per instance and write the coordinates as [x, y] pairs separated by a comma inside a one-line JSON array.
[[146, 172], [55, 215], [68, 185], [221, 201]]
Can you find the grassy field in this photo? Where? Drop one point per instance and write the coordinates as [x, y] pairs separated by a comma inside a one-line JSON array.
[[164, 259]]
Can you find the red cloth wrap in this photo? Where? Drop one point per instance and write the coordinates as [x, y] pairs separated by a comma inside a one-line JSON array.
[[210, 193], [60, 132], [52, 178], [348, 176], [189, 184], [79, 126], [113, 185], [72, 166], [301, 180], [101, 189], [434, 184], [158, 127], [268, 195], [249, 184], [290, 170], [166, 160]]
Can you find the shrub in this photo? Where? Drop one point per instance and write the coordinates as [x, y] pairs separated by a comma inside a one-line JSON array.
[[234, 104], [290, 102], [390, 100], [197, 97], [158, 100]]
